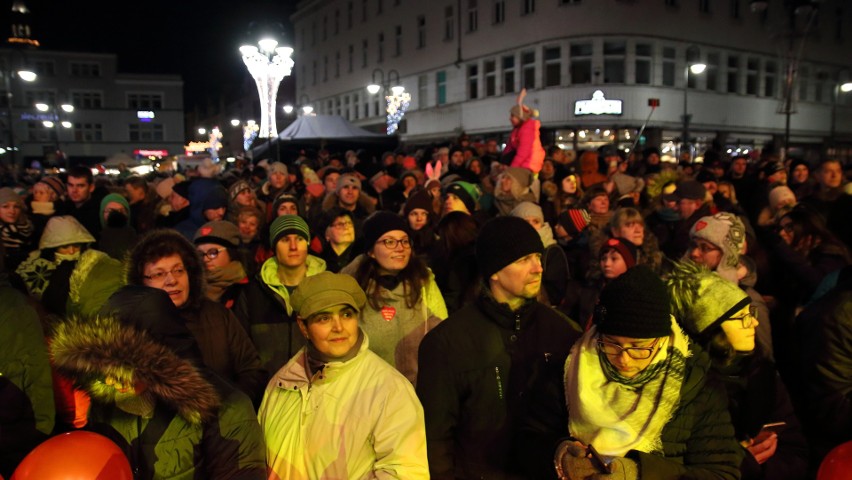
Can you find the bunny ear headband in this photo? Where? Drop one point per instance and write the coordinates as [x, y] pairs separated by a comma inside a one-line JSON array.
[[434, 174]]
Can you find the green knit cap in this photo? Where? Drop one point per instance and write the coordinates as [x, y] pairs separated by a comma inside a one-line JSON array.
[[114, 197], [701, 299], [285, 225]]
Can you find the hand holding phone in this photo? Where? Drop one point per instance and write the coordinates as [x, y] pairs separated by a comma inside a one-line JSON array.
[[775, 427], [599, 462]]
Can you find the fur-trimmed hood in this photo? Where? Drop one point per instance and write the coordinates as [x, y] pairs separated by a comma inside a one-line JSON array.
[[89, 350]]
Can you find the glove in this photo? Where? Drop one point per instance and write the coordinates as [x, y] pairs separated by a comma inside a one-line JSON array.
[[571, 461], [622, 469]]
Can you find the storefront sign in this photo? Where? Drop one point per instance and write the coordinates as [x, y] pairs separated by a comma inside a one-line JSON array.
[[145, 115], [151, 153], [598, 105]]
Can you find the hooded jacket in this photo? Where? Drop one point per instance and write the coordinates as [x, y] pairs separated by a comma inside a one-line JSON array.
[[199, 427], [354, 419]]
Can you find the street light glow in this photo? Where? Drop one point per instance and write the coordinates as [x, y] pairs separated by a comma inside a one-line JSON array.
[[48, 123], [41, 107], [846, 87], [202, 131], [373, 88], [267, 44], [235, 122], [307, 109], [267, 66], [27, 75], [288, 109], [397, 90], [697, 68], [67, 124], [67, 107]]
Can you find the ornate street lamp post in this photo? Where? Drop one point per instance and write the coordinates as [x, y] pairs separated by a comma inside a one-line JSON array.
[[268, 64]]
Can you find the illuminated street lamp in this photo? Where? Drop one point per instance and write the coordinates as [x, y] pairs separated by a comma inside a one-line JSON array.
[[288, 109], [235, 122], [202, 131], [25, 75], [54, 120], [268, 64], [694, 65]]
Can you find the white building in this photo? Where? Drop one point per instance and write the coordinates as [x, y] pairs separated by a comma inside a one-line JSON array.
[[139, 115], [463, 62]]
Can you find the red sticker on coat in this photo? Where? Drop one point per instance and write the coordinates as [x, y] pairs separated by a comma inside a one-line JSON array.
[[388, 313]]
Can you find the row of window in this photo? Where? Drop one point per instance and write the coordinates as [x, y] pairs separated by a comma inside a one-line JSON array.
[[85, 69], [94, 100], [93, 132]]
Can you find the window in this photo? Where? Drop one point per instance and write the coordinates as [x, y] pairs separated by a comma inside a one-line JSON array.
[[363, 10], [803, 75], [346, 112], [337, 64], [145, 101], [356, 107], [581, 63], [473, 81], [489, 67], [350, 13], [449, 23], [422, 90], [146, 132], [499, 11], [421, 31], [770, 79], [36, 132], [552, 66], [397, 42], [441, 87], [380, 48], [669, 54], [472, 16], [819, 85], [733, 74], [87, 100], [364, 46], [325, 68], [313, 33], [614, 56], [527, 7], [325, 28], [704, 6], [752, 67], [44, 68], [336, 22], [712, 72], [351, 58], [508, 73], [88, 132], [735, 8], [314, 68], [85, 69], [528, 69], [40, 96], [644, 54]]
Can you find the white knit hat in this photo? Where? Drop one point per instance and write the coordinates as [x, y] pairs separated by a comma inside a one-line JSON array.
[[726, 231]]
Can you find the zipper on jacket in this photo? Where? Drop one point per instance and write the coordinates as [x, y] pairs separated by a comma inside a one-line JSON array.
[[499, 383], [517, 323]]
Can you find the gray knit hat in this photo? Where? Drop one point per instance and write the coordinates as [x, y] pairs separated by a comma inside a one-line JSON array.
[[526, 210], [285, 225], [8, 195], [726, 231], [702, 299], [220, 232]]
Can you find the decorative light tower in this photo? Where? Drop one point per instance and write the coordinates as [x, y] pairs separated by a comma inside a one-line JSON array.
[[268, 65]]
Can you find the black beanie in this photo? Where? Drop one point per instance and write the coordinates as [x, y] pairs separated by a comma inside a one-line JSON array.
[[636, 305], [380, 223], [504, 240]]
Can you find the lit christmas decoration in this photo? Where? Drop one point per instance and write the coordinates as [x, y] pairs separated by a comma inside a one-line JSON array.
[[398, 103], [250, 130], [268, 65], [215, 143]]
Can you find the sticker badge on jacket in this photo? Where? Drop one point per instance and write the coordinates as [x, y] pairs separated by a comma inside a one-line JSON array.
[[388, 313]]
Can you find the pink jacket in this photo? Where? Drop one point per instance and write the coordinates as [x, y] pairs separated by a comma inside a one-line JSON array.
[[526, 142]]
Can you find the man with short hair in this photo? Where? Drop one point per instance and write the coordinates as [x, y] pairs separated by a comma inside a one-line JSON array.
[[348, 196], [691, 205], [830, 199], [490, 375], [83, 201], [264, 305], [178, 200]]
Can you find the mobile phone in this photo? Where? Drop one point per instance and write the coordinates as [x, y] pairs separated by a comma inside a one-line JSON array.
[[775, 427], [599, 461]]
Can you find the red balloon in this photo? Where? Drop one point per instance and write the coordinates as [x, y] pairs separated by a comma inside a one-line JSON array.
[[837, 465], [75, 456]]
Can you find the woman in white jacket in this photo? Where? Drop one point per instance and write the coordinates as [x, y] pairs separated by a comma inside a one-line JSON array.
[[337, 410]]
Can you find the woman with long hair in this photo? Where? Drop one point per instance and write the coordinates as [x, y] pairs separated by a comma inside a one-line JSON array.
[[453, 259], [403, 300]]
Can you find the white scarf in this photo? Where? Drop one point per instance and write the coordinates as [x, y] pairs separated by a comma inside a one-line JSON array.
[[615, 417]]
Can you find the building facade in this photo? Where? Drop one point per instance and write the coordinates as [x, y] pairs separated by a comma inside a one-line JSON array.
[[464, 61], [134, 114]]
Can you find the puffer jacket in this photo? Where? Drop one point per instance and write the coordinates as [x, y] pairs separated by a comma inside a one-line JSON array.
[[201, 426], [397, 330], [264, 309], [698, 441], [525, 141], [490, 380], [358, 418]]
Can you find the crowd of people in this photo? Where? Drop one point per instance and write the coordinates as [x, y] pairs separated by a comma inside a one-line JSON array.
[[458, 311]]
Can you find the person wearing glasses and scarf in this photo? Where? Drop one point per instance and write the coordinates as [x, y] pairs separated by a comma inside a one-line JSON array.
[[723, 320], [164, 259], [218, 243], [638, 390], [403, 300]]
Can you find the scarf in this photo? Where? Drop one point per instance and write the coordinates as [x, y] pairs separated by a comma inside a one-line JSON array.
[[618, 414], [316, 360], [219, 279], [42, 208]]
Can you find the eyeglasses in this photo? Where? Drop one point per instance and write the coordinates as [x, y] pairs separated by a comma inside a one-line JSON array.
[[212, 253], [747, 319], [391, 243], [344, 224], [636, 353], [787, 227], [704, 247], [176, 272]]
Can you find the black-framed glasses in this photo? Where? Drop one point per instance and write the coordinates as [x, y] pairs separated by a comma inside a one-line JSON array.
[[391, 243], [176, 272], [342, 224], [636, 353], [705, 247], [212, 253], [748, 319]]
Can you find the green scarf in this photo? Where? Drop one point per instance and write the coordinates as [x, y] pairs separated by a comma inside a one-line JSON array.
[[617, 414]]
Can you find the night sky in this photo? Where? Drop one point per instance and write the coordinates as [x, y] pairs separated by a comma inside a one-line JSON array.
[[198, 40]]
